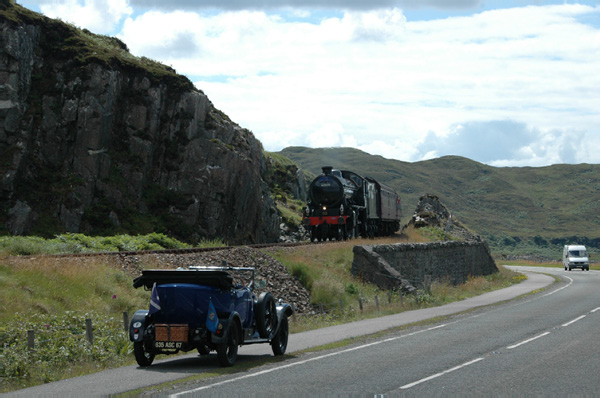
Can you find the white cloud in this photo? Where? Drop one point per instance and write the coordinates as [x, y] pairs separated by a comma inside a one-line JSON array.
[[521, 81], [507, 143], [331, 135], [314, 4], [98, 16], [426, 77]]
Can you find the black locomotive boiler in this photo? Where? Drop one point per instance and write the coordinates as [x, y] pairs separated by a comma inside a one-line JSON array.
[[342, 204]]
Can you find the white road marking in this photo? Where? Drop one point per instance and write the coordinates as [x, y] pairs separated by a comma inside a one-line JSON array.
[[404, 387], [594, 310], [573, 321], [559, 289], [510, 347], [182, 393]]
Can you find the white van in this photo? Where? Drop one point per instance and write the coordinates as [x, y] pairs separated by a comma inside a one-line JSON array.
[[575, 256]]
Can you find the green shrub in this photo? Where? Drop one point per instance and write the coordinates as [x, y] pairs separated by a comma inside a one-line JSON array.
[[80, 243], [351, 289], [302, 273], [435, 234], [21, 245], [326, 293]]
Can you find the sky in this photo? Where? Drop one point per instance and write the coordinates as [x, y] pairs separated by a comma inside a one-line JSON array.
[[505, 83]]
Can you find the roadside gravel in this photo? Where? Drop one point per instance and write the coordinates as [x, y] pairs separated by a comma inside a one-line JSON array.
[[278, 281]]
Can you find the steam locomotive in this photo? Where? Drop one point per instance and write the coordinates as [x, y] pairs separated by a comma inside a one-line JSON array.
[[342, 205]]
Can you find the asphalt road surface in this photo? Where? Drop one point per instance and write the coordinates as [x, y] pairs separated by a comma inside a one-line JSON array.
[[540, 344], [543, 344]]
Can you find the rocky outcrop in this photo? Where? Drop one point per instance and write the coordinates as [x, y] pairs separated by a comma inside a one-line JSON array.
[[431, 212], [95, 140]]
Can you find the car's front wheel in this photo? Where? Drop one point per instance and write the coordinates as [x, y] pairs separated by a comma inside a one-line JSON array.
[[143, 357], [279, 343], [227, 352]]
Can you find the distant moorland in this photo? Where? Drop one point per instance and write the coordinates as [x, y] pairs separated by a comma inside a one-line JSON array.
[[518, 210]]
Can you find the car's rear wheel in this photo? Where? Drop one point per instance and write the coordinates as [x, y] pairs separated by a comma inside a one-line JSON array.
[[143, 357], [227, 352], [266, 315], [280, 341]]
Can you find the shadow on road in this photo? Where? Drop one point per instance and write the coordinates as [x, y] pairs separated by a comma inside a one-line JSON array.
[[200, 364]]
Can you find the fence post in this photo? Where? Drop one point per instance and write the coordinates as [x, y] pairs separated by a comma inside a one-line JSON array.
[[341, 306], [427, 283], [389, 297], [321, 308], [377, 302], [88, 331], [31, 340], [360, 303], [126, 320]]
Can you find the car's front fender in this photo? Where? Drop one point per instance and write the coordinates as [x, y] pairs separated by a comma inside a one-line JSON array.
[[283, 309]]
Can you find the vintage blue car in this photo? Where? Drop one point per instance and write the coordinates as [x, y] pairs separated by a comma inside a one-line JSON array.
[[207, 309]]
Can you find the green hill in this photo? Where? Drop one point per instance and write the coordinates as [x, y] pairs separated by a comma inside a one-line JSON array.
[[518, 210]]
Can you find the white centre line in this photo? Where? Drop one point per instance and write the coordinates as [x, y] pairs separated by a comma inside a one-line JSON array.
[[594, 310], [510, 347], [303, 362], [404, 387], [573, 321]]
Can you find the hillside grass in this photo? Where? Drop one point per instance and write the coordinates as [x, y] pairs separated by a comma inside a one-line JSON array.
[[54, 295]]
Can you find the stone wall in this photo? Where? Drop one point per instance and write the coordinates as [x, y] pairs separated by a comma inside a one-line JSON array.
[[405, 266]]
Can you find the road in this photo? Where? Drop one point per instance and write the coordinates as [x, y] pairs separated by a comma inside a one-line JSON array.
[[444, 357], [543, 344]]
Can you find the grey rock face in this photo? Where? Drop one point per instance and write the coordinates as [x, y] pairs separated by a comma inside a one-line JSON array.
[[95, 148], [19, 218]]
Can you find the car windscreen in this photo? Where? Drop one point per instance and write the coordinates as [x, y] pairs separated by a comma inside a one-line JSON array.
[[577, 253]]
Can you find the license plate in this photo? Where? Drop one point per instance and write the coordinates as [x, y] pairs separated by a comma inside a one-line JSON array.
[[169, 345]]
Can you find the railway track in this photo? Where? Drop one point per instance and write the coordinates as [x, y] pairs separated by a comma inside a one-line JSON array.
[[178, 251]]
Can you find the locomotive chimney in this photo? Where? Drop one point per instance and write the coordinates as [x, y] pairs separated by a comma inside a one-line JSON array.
[[327, 170]]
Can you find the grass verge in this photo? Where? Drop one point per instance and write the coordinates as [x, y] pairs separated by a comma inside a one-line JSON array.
[[325, 271], [53, 296]]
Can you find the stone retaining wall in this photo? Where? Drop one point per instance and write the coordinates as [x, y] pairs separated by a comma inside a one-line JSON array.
[[406, 266]]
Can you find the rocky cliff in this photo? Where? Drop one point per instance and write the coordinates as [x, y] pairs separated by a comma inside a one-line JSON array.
[[95, 140]]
